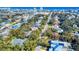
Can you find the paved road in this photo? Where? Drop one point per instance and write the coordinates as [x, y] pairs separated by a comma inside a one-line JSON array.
[[46, 26]]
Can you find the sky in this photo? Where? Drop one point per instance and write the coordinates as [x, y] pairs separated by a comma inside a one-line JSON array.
[[40, 3]]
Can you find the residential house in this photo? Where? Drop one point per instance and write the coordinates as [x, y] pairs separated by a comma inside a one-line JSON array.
[[17, 42]]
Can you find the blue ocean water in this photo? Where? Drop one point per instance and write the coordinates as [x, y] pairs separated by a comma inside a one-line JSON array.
[[45, 8]]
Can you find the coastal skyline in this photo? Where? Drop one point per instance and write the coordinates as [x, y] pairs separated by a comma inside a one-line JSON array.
[[44, 8]]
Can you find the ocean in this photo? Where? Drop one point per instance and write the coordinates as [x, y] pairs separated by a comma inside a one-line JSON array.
[[44, 8]]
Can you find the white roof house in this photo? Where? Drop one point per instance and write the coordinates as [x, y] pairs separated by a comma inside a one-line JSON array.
[[36, 25], [59, 30], [56, 17], [38, 48], [17, 42], [55, 26], [34, 28], [28, 33], [5, 26], [76, 33], [5, 32], [75, 26], [3, 23], [25, 18]]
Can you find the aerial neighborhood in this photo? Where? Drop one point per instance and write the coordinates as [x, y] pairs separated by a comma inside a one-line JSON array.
[[39, 29]]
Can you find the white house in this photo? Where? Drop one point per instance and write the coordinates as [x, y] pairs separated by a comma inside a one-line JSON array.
[[17, 42]]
